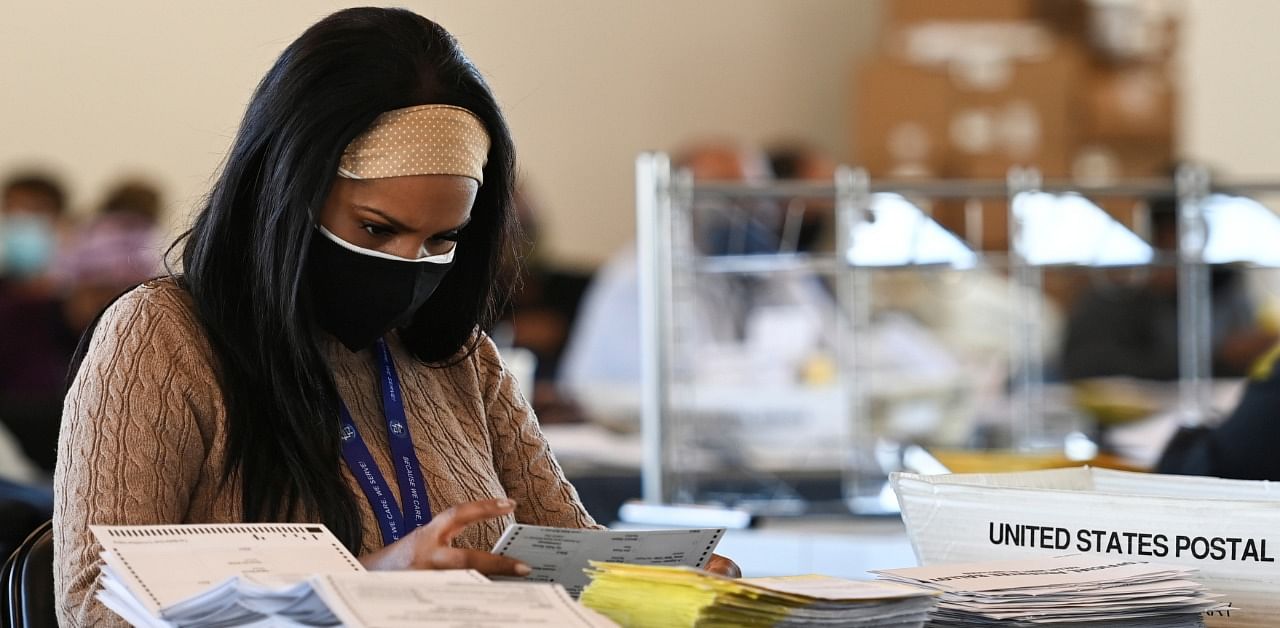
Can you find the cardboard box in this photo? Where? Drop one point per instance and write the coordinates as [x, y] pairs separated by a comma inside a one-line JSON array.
[[898, 12], [1111, 160], [951, 213], [914, 121], [900, 121], [978, 47], [1068, 18], [1035, 114], [1228, 529], [1130, 103], [934, 121]]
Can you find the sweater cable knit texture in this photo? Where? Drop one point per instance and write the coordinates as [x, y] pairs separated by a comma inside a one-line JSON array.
[[144, 434]]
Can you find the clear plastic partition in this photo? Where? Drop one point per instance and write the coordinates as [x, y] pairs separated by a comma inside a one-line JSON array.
[[1259, 257], [755, 415], [801, 341], [1098, 279]]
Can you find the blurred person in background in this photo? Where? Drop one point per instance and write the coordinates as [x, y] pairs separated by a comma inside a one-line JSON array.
[[601, 365], [942, 332], [119, 249], [1242, 446], [36, 342], [799, 161], [35, 348], [32, 211], [543, 308], [135, 200], [1126, 329]]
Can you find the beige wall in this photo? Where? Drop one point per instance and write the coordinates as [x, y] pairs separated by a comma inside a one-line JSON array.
[[1231, 87], [96, 90]]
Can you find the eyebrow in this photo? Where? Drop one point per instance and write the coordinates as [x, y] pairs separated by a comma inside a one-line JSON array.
[[391, 221], [402, 227]]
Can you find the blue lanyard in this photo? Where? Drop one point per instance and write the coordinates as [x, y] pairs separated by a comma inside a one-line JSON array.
[[413, 493]]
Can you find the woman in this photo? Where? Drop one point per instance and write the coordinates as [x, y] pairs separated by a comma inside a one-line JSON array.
[[326, 320]]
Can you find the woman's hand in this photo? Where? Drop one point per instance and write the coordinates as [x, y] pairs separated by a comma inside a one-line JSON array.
[[429, 547], [723, 566]]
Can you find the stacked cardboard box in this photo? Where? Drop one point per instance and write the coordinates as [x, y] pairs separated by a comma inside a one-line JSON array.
[[970, 89]]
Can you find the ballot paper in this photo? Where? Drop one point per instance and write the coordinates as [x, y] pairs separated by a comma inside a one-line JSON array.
[[217, 574], [1071, 590], [830, 588], [561, 555], [396, 599], [205, 576], [690, 597]]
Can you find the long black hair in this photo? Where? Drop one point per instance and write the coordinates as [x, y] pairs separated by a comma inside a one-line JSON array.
[[245, 257]]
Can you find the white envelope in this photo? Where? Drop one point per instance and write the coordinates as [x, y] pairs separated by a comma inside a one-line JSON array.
[[1228, 529]]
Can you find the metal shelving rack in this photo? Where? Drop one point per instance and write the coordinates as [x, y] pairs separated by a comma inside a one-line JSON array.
[[669, 264]]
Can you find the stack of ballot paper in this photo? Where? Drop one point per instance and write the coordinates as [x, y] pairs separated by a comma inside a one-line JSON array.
[[217, 575], [300, 575], [638, 596], [1075, 590]]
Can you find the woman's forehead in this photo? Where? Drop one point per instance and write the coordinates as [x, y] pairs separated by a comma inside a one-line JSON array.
[[416, 201]]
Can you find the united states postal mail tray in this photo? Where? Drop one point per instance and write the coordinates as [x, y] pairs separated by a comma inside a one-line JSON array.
[[1228, 529]]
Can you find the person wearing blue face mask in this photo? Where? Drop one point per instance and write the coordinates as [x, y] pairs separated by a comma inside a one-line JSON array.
[[28, 244], [35, 348], [36, 343], [31, 207], [322, 355]]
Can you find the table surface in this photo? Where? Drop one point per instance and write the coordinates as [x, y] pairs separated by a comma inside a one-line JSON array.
[[834, 545]]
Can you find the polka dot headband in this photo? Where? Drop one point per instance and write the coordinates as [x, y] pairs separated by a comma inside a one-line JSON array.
[[427, 139]]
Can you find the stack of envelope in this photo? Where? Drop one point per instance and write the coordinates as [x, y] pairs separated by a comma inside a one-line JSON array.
[[1077, 590], [644, 596]]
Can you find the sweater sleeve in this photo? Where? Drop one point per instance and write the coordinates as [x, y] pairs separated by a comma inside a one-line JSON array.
[[526, 467], [130, 449]]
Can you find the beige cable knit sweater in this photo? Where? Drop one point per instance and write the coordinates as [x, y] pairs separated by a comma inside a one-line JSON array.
[[144, 427]]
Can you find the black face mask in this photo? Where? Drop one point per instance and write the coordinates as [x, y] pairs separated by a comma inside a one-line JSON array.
[[359, 298]]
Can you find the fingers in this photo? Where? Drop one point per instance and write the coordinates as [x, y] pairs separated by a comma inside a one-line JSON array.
[[450, 523], [483, 562], [723, 566]]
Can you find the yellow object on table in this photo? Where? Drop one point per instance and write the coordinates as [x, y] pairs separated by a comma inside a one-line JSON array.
[[647, 596], [1113, 401], [1001, 461]]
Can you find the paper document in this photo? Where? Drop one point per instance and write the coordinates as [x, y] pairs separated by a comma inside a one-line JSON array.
[[561, 555], [164, 565], [1075, 590], [211, 576], [408, 599], [829, 588]]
